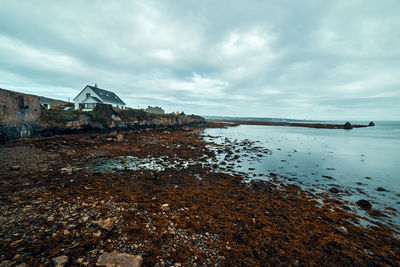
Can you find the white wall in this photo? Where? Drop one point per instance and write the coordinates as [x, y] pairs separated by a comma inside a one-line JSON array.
[[82, 96]]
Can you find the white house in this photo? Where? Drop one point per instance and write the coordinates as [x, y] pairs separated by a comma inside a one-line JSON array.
[[45, 103], [91, 95]]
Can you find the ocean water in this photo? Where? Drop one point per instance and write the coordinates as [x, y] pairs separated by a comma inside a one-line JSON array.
[[357, 162]]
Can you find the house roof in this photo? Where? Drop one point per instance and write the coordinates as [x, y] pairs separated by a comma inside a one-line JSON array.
[[44, 101], [104, 95], [95, 98], [107, 96]]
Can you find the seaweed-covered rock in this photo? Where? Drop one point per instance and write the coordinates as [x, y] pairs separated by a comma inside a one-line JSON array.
[[364, 204], [348, 126]]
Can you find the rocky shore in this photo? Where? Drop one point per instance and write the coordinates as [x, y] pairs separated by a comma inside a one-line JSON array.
[[163, 201]]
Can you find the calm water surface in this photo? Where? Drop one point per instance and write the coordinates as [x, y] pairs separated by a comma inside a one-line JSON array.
[[358, 160]]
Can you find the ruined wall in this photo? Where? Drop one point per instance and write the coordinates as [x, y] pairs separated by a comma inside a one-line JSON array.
[[18, 114]]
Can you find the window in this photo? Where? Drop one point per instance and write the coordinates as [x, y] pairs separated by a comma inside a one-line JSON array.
[[87, 95]]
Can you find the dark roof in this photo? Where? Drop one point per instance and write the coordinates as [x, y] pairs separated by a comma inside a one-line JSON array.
[[106, 96], [44, 101], [95, 98]]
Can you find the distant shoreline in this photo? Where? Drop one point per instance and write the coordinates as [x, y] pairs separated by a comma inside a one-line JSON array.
[[290, 124]]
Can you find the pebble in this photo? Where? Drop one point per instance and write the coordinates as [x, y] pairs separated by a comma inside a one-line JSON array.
[[165, 207]]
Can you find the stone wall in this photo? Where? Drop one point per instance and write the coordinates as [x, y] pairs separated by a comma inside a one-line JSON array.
[[18, 114]]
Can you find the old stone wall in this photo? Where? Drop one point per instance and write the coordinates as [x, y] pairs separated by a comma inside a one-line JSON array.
[[18, 113]]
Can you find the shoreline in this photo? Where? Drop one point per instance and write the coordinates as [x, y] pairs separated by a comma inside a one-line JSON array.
[[233, 123], [187, 213]]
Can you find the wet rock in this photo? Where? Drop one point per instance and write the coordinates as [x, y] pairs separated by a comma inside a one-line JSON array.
[[364, 204], [165, 207], [119, 259], [348, 126], [381, 189], [7, 263], [120, 137], [60, 261], [371, 123], [221, 258], [107, 224], [327, 177], [334, 190], [343, 230], [15, 167], [66, 171]]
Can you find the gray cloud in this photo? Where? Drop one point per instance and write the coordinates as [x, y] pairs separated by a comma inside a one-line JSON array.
[[308, 59]]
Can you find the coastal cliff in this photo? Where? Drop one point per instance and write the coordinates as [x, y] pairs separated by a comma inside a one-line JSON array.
[[22, 116]]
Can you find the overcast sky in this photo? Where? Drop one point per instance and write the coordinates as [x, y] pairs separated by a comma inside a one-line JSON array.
[[291, 59]]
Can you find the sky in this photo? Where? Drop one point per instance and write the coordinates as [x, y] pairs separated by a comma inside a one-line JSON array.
[[283, 59]]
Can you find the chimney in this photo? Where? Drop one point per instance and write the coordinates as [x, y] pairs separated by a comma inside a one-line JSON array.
[[95, 85]]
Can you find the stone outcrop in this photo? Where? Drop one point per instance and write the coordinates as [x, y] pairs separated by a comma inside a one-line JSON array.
[[348, 126], [371, 123]]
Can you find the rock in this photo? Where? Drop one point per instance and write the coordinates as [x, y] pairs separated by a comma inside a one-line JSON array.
[[221, 258], [22, 265], [348, 126], [107, 224], [109, 139], [60, 261], [364, 204], [381, 189], [343, 230], [66, 171], [165, 207], [371, 123], [114, 259], [120, 137], [97, 234], [333, 190], [15, 167], [7, 263]]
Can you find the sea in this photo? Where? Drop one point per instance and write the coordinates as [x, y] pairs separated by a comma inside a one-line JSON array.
[[362, 163]]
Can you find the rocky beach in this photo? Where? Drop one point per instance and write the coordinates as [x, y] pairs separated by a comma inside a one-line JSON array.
[[160, 198]]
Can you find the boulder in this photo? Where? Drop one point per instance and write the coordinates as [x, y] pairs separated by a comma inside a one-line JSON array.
[[381, 189], [107, 224], [165, 207], [343, 230], [119, 259], [371, 123], [60, 261], [348, 126], [364, 204], [66, 171], [120, 137]]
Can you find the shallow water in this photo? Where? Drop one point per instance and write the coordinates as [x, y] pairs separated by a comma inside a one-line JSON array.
[[355, 161]]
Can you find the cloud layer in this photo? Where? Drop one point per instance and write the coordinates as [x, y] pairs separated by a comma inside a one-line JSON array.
[[296, 59]]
